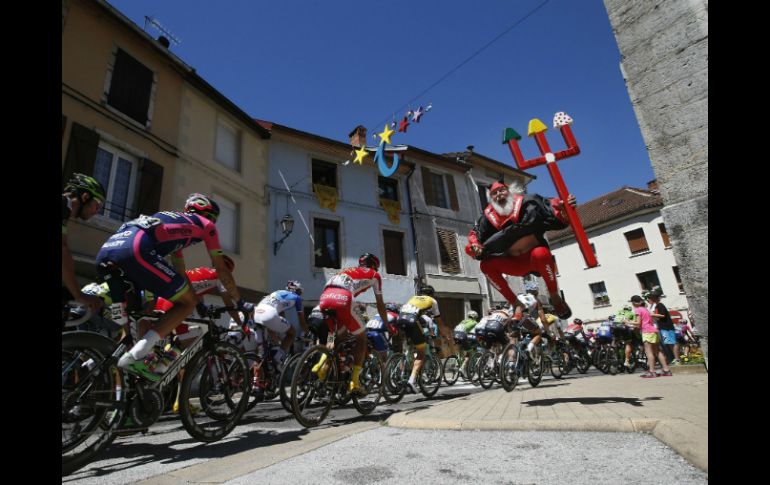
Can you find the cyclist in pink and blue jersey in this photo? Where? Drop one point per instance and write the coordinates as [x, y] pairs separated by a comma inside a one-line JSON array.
[[139, 249]]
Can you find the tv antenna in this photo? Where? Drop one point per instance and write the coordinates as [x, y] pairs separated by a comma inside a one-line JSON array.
[[160, 28]]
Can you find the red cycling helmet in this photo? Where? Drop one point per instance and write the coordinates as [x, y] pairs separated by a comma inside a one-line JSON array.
[[370, 261], [203, 205]]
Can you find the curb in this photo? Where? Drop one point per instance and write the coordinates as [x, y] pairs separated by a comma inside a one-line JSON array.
[[683, 437]]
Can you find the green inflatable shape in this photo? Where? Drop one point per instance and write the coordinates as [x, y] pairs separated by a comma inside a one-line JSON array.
[[510, 134]]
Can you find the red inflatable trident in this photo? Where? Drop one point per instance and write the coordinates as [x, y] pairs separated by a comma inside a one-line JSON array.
[[549, 158]]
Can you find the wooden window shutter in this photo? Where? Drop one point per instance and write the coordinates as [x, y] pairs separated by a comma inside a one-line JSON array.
[[81, 152], [664, 235], [394, 252], [450, 180], [447, 245], [427, 186], [63, 125], [637, 243], [150, 186]]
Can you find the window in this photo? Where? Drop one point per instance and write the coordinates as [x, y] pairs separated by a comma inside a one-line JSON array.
[[324, 173], [678, 279], [130, 87], [394, 252], [116, 171], [388, 188], [439, 189], [599, 292], [447, 246], [637, 243], [483, 195], [664, 235], [327, 249], [227, 223], [648, 280], [227, 149]]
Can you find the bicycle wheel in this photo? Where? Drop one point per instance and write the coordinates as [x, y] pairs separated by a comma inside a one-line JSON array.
[[371, 380], [284, 382], [223, 380], [474, 378], [486, 370], [450, 370], [509, 370], [311, 396], [430, 376], [92, 398], [535, 370], [612, 364], [256, 394], [583, 361], [394, 381], [557, 366]]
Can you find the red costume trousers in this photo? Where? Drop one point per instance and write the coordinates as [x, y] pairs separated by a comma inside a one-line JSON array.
[[539, 259]]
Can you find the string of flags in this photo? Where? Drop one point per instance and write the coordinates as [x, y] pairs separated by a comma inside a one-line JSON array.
[[411, 116]]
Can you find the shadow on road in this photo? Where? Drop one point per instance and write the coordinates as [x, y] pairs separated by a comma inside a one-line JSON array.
[[634, 401], [138, 454]]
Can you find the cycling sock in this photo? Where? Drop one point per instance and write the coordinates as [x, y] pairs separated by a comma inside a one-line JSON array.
[[143, 347], [530, 347], [356, 374]]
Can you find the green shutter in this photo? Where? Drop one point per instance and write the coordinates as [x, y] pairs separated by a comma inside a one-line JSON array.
[[450, 180], [81, 152]]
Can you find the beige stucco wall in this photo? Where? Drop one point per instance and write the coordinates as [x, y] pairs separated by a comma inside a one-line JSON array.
[[200, 172], [88, 38]]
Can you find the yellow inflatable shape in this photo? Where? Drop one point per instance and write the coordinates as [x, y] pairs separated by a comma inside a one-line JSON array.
[[536, 126]]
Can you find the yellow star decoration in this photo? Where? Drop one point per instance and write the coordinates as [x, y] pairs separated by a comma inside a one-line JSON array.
[[385, 135], [360, 154]]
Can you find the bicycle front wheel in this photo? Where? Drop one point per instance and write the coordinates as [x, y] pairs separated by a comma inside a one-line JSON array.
[[509, 370], [450, 370], [284, 382], [430, 376], [394, 381], [223, 382], [487, 370], [371, 381], [313, 386]]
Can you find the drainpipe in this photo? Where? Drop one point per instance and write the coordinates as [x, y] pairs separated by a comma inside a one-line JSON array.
[[419, 276]]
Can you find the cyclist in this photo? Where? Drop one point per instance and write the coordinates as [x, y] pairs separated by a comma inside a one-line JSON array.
[[137, 253], [338, 295], [409, 319], [628, 334], [83, 197], [491, 329], [463, 340], [270, 313], [379, 332], [534, 311]]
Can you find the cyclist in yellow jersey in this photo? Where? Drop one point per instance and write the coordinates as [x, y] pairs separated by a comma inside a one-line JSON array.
[[409, 319]]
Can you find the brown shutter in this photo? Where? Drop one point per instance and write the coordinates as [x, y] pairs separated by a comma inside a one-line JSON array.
[[664, 235], [394, 252], [427, 186], [63, 124], [637, 243], [81, 152], [450, 257], [450, 180], [150, 186]]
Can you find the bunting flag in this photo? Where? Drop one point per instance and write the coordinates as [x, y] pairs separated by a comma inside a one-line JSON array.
[[327, 197], [393, 208]]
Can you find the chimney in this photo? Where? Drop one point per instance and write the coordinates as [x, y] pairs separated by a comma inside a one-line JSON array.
[[358, 136], [164, 41], [652, 185]]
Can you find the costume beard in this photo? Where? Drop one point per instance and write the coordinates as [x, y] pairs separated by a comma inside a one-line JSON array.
[[505, 209]]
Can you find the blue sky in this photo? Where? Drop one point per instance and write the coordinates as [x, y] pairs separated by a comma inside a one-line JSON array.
[[325, 67]]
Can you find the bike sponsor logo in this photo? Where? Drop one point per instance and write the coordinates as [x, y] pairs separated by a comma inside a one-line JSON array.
[[550, 272], [179, 363], [179, 231], [113, 244], [164, 268], [336, 296]]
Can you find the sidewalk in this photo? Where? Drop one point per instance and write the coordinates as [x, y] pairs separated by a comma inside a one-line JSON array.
[[673, 409]]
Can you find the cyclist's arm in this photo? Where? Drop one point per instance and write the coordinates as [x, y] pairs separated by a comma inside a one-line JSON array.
[[302, 322], [69, 280], [224, 275], [381, 306], [235, 315]]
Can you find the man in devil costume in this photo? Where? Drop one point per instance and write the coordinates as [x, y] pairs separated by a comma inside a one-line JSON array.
[[509, 239]]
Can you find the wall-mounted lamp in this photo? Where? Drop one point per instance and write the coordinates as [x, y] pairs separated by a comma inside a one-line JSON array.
[[287, 225]]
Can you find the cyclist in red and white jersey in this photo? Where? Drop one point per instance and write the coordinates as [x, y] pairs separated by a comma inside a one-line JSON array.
[[338, 295]]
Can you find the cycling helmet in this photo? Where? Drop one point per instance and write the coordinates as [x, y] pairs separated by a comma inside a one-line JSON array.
[[370, 261], [473, 315], [627, 308], [392, 307], [611, 318], [295, 286], [203, 205], [531, 286], [80, 183], [427, 290], [577, 321], [229, 263], [656, 292]]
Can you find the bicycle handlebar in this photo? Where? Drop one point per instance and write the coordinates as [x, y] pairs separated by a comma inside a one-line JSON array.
[[81, 320]]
